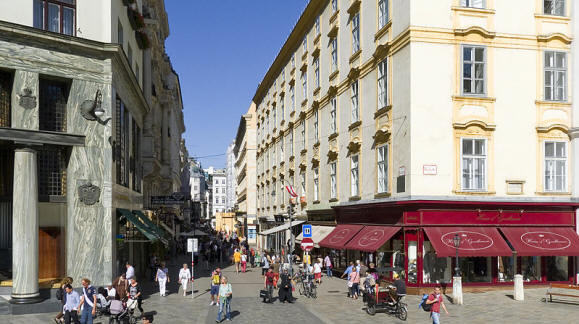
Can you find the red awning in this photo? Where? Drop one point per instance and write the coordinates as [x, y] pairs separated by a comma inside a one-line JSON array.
[[474, 241], [543, 241], [340, 236], [371, 238]]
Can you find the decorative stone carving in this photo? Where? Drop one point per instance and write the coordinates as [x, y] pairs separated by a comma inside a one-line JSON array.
[[89, 194], [27, 100]]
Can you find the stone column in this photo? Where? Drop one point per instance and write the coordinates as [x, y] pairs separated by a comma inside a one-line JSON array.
[[519, 289], [457, 290], [25, 228]]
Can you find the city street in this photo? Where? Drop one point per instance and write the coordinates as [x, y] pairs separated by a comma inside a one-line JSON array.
[[331, 306]]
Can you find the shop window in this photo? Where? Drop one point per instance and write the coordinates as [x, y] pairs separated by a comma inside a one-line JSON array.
[[476, 269], [506, 268], [557, 268], [435, 270], [53, 102], [412, 256], [531, 268]]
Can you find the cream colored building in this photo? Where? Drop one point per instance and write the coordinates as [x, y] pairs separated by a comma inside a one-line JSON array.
[[245, 172], [384, 102]]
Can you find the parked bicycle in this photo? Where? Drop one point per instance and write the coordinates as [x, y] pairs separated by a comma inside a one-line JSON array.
[[307, 287]]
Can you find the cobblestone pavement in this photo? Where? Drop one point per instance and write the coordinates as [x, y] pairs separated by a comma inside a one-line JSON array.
[[332, 306]]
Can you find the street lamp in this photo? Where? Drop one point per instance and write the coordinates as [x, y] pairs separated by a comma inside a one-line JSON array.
[[456, 242]]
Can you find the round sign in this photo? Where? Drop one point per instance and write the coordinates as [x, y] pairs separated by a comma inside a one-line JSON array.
[[545, 240], [471, 241], [307, 244]]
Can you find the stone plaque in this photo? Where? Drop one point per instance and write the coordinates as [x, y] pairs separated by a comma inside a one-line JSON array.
[[27, 100], [89, 194]]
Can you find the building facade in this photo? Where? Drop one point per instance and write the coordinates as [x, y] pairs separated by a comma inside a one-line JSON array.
[[198, 187], [230, 179], [218, 190], [380, 113]]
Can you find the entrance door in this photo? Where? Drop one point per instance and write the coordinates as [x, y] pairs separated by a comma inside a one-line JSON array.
[[50, 252]]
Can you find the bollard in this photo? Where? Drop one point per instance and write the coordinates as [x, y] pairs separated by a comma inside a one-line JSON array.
[[519, 290], [457, 290]]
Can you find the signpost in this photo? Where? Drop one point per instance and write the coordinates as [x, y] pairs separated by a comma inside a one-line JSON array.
[[307, 231], [192, 246], [307, 244]]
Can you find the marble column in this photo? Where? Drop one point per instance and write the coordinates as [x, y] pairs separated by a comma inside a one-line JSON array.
[[25, 228]]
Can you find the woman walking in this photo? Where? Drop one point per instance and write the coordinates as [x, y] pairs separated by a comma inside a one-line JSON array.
[[353, 283], [184, 277], [237, 260], [61, 295], [225, 294], [162, 277], [243, 262]]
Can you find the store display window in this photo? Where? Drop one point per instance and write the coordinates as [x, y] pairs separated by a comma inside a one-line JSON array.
[[435, 270], [506, 268], [531, 268], [476, 269], [557, 268]]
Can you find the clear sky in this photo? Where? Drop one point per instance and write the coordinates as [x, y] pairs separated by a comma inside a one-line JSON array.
[[221, 50]]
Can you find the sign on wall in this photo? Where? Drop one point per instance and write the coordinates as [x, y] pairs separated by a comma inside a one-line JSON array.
[[429, 169]]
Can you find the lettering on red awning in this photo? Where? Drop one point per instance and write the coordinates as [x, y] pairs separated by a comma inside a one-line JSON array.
[[471, 241], [340, 235], [371, 237], [545, 240]]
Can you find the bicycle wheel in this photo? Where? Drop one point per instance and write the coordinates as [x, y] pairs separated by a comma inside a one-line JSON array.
[[314, 292], [371, 310], [402, 312], [132, 320]]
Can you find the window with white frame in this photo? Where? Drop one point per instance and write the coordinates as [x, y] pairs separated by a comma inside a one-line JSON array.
[[554, 7], [382, 84], [333, 181], [316, 184], [354, 93], [333, 117], [305, 43], [474, 163], [555, 76], [281, 150], [354, 173], [304, 85], [356, 33], [317, 25], [555, 166], [334, 5], [317, 71], [302, 184], [282, 74], [316, 128], [473, 70], [334, 53], [382, 13], [303, 133], [292, 98], [473, 3], [55, 15], [291, 142], [267, 124], [382, 165], [273, 155]]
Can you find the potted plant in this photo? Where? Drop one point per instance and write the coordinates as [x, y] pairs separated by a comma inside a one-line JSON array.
[[142, 39], [135, 19]]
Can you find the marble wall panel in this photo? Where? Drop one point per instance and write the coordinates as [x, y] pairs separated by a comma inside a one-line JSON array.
[[25, 84]]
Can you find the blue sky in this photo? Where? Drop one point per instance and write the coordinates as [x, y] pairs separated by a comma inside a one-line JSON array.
[[222, 50]]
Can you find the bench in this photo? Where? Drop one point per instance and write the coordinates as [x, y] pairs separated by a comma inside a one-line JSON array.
[[568, 287]]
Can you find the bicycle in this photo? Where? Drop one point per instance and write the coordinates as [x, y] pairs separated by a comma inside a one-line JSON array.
[[307, 287]]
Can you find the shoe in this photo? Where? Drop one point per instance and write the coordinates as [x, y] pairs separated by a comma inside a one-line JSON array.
[[211, 303], [229, 319], [57, 321]]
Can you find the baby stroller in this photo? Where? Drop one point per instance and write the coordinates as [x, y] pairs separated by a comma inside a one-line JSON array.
[[119, 312]]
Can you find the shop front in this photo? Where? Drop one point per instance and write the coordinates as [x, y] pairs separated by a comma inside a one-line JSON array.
[[538, 241]]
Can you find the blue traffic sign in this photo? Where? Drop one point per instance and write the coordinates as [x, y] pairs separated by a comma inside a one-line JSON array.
[[307, 231]]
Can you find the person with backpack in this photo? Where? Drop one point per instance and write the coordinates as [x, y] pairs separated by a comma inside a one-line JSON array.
[[215, 280], [436, 301], [61, 295]]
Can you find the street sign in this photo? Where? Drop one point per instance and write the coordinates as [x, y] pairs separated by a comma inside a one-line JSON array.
[[307, 244], [307, 231], [291, 191], [177, 198], [192, 245]]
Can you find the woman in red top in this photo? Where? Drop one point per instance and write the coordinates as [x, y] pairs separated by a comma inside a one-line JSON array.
[[436, 300]]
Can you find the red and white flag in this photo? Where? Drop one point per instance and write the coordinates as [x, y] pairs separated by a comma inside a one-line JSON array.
[[291, 191]]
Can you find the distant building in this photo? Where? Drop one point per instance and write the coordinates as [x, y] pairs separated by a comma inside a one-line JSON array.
[[198, 189], [230, 179], [218, 190]]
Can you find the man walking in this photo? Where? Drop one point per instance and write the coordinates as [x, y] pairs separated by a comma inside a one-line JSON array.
[[71, 306], [162, 277], [88, 302], [215, 280], [184, 277], [328, 265], [437, 301], [130, 272]]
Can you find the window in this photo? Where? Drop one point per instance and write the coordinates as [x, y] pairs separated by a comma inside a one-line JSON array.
[[137, 73], [282, 75], [333, 181], [302, 184], [293, 60], [273, 155], [317, 71], [267, 123], [317, 25], [5, 98], [334, 53], [51, 171], [473, 3], [474, 164], [305, 85], [223, 200], [292, 97], [555, 76], [305, 43], [52, 109], [122, 143], [274, 112], [333, 117], [55, 15], [554, 7], [555, 166], [316, 185], [356, 33], [473, 70], [282, 107], [291, 139], [316, 128], [136, 166], [354, 92], [303, 127], [120, 34], [382, 169], [354, 176], [334, 5], [382, 13], [382, 84], [281, 151]]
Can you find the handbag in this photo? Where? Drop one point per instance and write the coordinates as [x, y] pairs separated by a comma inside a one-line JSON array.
[[350, 284]]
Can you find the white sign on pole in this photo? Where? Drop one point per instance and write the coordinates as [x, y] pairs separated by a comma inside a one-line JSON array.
[[192, 245]]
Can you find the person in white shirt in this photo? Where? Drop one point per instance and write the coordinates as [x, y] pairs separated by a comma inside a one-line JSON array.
[[130, 272], [184, 277], [162, 277], [111, 292], [318, 271]]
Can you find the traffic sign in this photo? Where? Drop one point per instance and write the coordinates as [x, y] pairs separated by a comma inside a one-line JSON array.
[[307, 244], [307, 231], [192, 245]]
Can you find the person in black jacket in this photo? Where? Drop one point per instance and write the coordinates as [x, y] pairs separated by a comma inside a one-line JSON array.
[[285, 287]]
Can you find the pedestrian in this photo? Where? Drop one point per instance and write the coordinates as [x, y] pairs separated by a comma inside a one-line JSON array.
[[184, 277], [88, 302], [71, 306], [318, 271], [437, 301], [111, 292], [399, 288], [243, 262], [237, 260], [130, 272], [328, 265], [264, 263], [346, 274], [363, 274], [276, 266], [285, 288], [61, 295], [135, 293], [215, 280], [225, 294], [252, 257], [162, 277], [268, 283], [353, 282], [148, 319], [373, 272], [121, 284], [257, 259]]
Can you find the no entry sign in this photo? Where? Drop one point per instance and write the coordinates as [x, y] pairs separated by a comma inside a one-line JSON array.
[[307, 244]]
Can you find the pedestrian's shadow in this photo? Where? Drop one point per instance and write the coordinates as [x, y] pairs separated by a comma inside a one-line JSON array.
[[234, 314]]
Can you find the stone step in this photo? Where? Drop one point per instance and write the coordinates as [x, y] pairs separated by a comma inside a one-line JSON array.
[[4, 307]]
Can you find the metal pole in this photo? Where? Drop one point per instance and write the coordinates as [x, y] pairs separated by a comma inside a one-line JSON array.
[[292, 243], [192, 273], [456, 268]]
